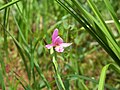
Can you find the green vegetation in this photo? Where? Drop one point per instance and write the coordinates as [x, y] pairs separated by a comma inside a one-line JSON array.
[[92, 62]]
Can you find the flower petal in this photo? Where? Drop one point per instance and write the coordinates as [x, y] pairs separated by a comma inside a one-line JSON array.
[[58, 40], [49, 46], [59, 49], [54, 35], [65, 44]]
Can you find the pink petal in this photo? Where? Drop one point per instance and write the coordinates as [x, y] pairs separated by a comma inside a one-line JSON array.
[[49, 46], [54, 35], [58, 40], [65, 44], [59, 49]]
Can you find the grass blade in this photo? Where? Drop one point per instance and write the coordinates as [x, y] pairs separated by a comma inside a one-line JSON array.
[[20, 49], [9, 4], [6, 15], [2, 80], [57, 75], [103, 74], [111, 10], [20, 31], [76, 77], [97, 32], [110, 38], [41, 75], [22, 82]]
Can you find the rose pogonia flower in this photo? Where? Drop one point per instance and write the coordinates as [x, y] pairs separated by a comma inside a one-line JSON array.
[[57, 42]]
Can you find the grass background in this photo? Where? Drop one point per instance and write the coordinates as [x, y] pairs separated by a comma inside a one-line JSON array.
[[26, 27]]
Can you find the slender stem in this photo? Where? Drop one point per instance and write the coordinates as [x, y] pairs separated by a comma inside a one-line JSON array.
[[42, 76], [6, 15], [8, 4], [55, 64]]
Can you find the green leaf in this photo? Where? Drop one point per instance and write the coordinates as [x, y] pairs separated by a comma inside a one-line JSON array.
[[2, 84], [109, 36], [96, 27], [57, 74], [22, 82], [111, 10], [20, 49], [41, 75], [103, 74], [76, 77], [9, 4]]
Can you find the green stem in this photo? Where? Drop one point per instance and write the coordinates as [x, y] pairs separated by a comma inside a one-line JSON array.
[[57, 75], [6, 15], [8, 4], [42, 75]]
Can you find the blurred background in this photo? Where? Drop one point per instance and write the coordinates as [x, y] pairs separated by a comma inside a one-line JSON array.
[[29, 21]]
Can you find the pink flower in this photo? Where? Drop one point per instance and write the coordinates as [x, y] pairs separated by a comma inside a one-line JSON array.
[[57, 42]]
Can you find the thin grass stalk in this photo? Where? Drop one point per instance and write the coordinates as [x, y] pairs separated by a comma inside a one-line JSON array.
[[2, 64], [2, 72], [5, 34], [20, 32], [57, 75], [28, 13], [42, 75], [8, 4], [21, 14], [2, 80], [32, 60], [24, 60], [113, 14], [22, 82]]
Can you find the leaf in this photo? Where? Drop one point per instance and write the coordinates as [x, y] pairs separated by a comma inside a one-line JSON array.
[[111, 10], [95, 26], [41, 75], [2, 84], [9, 4], [76, 77], [103, 74]]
